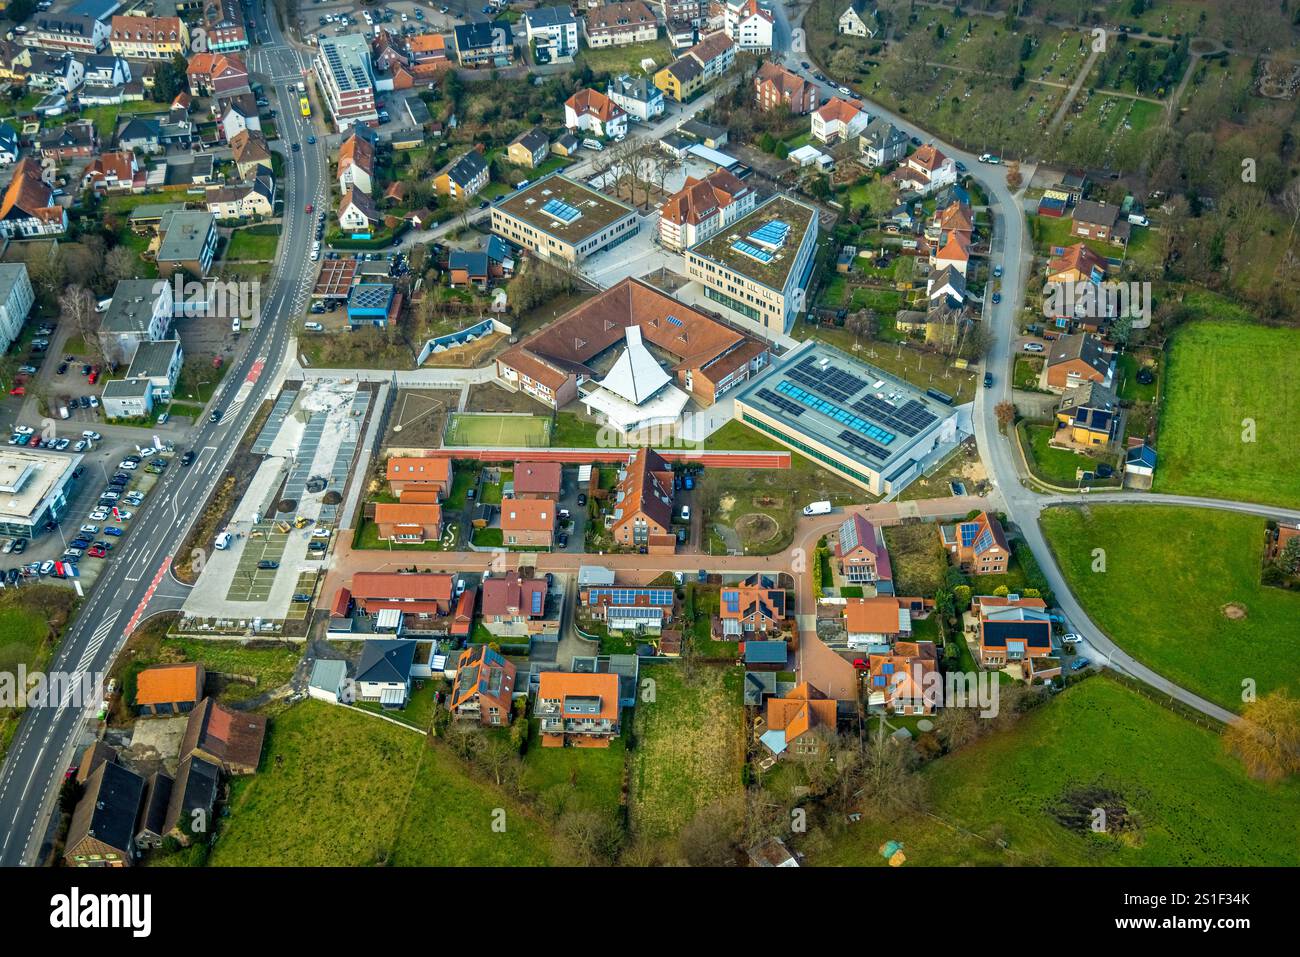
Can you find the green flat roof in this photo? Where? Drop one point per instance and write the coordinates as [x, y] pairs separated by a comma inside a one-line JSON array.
[[773, 272]]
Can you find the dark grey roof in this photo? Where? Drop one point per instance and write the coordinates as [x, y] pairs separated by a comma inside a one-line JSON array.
[[386, 661], [1082, 346], [195, 789], [110, 807], [465, 169], [533, 140], [482, 34], [153, 814], [550, 16]]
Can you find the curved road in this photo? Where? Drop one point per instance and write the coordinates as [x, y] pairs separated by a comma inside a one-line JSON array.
[[45, 743]]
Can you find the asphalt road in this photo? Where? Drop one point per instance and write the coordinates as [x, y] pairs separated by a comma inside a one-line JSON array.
[[45, 744]]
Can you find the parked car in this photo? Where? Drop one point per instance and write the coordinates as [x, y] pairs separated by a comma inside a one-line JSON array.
[[988, 380], [1080, 664]]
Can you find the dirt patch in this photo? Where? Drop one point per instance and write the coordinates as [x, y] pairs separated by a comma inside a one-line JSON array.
[[419, 417], [1233, 611], [768, 501], [725, 505], [755, 527], [490, 397], [1096, 810]]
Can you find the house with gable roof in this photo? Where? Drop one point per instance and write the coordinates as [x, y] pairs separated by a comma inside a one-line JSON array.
[[978, 546], [484, 687], [860, 552]]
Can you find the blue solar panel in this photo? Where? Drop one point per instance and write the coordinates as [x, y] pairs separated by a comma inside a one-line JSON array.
[[878, 681], [855, 422], [968, 533], [985, 541], [561, 210], [887, 668], [537, 602], [628, 596], [732, 600]]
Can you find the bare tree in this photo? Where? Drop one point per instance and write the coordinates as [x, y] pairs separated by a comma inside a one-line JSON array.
[[1267, 738], [77, 308]]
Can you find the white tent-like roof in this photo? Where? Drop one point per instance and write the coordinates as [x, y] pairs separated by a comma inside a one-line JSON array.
[[636, 375]]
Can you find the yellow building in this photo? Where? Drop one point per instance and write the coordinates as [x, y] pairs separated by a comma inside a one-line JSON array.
[[149, 38], [1088, 416], [681, 79]]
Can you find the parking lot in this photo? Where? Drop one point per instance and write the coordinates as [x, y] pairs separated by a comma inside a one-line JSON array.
[[250, 582]]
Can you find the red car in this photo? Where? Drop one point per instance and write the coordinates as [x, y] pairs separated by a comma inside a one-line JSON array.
[[18, 390], [96, 551]]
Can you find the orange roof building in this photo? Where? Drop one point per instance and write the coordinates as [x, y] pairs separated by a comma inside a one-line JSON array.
[[413, 593], [528, 521], [169, 689], [427, 474], [901, 682], [702, 207], [790, 721], [1078, 263], [28, 208], [577, 710], [402, 522]]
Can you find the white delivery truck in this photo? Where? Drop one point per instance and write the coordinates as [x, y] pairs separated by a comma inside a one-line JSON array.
[[222, 541], [817, 508]]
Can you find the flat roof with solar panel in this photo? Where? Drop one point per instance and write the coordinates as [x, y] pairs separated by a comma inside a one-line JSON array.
[[557, 206], [764, 245], [822, 399]]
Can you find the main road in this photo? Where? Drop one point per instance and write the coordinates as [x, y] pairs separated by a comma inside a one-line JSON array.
[[47, 737]]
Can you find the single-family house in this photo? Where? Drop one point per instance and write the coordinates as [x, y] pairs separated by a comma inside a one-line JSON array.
[[484, 687], [978, 545], [169, 689], [578, 710], [384, 672]]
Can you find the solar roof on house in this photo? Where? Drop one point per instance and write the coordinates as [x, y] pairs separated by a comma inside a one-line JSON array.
[[628, 596], [561, 210]]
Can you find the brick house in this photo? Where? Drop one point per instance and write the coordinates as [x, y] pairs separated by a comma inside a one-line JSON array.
[[484, 688], [537, 480], [978, 546], [756, 605], [860, 551], [792, 720], [414, 594], [1075, 359], [408, 522], [774, 86], [514, 607], [425, 474], [102, 832], [643, 503], [1011, 630], [896, 682], [232, 740], [528, 521]]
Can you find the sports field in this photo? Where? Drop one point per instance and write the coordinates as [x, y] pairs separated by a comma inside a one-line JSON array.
[[468, 428]]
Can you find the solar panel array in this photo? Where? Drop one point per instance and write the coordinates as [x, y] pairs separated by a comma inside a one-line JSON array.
[[910, 418], [628, 596], [674, 321], [863, 445], [792, 409], [732, 600], [835, 382], [279, 412], [833, 411], [752, 251], [968, 531], [539, 602], [561, 210], [371, 296]]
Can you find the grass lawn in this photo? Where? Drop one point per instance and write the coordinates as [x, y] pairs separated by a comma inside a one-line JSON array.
[[340, 788], [1227, 425], [1203, 560], [488, 537], [367, 536], [676, 769], [589, 779], [463, 478], [1026, 373], [247, 244], [1193, 806], [1057, 466], [467, 428], [626, 59], [573, 432], [31, 618]]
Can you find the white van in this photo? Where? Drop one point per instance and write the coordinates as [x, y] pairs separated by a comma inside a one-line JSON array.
[[1137, 219], [817, 508], [222, 541], [313, 326], [234, 325], [591, 144]]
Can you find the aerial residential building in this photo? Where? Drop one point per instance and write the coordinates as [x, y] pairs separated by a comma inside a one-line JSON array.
[[356, 164], [776, 86], [641, 513], [242, 200], [594, 113], [237, 113], [703, 207], [749, 24], [16, 300], [1012, 631], [149, 38], [251, 153], [403, 522], [637, 96], [80, 27], [552, 33], [1075, 359], [978, 545], [463, 178], [347, 80], [75, 140], [563, 219], [418, 474], [10, 149], [384, 672], [1076, 264], [158, 362], [681, 79], [224, 22], [141, 311], [925, 171], [529, 149], [421, 594], [708, 59], [485, 43], [618, 24], [861, 555], [112, 172], [902, 680], [189, 243], [528, 522], [791, 721], [537, 480], [838, 121], [484, 687], [192, 800], [624, 608], [232, 740], [883, 620], [28, 208], [759, 268], [516, 608], [1093, 220], [577, 710], [358, 213], [217, 74], [102, 831], [756, 605], [1088, 416]]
